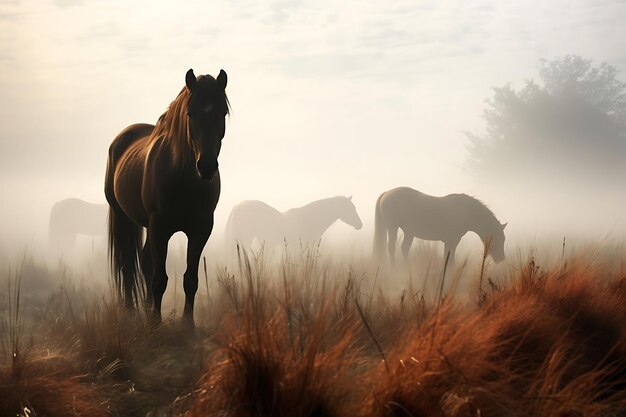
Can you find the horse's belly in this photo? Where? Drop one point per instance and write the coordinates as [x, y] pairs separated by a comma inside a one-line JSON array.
[[424, 231]]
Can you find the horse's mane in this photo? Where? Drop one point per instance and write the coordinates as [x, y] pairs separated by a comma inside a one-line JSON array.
[[475, 206], [316, 204], [173, 126]]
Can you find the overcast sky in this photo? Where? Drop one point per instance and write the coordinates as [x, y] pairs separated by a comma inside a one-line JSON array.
[[328, 97]]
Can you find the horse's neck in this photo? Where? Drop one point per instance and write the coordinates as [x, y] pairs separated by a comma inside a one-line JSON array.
[[484, 226], [179, 153], [313, 219]]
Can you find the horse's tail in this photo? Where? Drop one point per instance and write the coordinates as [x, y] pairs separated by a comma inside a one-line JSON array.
[[380, 231], [125, 238]]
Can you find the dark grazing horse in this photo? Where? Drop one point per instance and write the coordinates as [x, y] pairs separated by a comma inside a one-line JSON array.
[[165, 178], [427, 217]]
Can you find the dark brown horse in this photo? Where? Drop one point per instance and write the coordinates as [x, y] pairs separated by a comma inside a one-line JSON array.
[[165, 178]]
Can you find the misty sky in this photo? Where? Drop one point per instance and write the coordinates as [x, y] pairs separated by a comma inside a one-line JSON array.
[[328, 97]]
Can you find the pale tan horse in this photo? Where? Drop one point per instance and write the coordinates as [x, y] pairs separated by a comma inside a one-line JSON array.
[[72, 217], [254, 219], [446, 219], [165, 178]]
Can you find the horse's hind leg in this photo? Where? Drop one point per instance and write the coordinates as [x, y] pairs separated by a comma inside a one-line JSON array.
[[129, 271], [145, 259], [195, 244], [391, 243]]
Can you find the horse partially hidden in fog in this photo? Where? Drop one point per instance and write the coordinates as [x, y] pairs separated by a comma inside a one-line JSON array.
[[165, 178], [446, 219], [72, 217], [254, 219]]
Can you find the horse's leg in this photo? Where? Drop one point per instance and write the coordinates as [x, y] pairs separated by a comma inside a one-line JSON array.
[[128, 272], [450, 247], [158, 238], [406, 245], [145, 260], [391, 243], [195, 244]]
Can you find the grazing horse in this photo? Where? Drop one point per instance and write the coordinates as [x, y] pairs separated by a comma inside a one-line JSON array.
[[165, 178], [71, 217], [427, 217], [254, 219]]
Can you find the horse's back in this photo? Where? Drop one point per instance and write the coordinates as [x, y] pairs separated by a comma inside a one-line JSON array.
[[401, 203], [417, 213], [127, 137], [79, 211], [253, 218], [73, 216]]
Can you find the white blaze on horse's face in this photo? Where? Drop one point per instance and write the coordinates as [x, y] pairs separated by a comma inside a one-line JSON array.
[[207, 110], [350, 216]]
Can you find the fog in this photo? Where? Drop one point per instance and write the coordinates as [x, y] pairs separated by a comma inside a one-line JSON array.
[[327, 99]]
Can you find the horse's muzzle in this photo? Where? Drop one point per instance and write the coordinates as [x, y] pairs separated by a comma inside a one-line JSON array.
[[206, 169]]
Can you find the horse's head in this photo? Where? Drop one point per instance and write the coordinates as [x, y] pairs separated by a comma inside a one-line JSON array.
[[206, 109], [348, 213], [496, 243]]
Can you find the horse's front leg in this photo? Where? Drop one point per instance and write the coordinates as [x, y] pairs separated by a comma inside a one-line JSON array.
[[158, 236], [195, 245]]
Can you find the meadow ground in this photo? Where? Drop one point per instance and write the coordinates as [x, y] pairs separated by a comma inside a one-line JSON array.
[[307, 334]]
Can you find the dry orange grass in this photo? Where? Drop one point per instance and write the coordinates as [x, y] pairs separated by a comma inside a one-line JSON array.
[[286, 349], [264, 369], [306, 338], [551, 344], [50, 387]]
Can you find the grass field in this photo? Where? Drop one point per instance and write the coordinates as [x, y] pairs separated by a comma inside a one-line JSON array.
[[309, 335]]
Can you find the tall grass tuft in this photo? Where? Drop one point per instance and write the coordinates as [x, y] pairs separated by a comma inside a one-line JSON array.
[[280, 351], [551, 344], [34, 383]]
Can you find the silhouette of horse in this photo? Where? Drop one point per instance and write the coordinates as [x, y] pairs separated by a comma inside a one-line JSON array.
[[427, 217], [71, 217], [165, 178], [254, 219]]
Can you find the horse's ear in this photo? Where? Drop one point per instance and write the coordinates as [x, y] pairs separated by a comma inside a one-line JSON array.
[[190, 80], [222, 79], [503, 225], [350, 198]]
